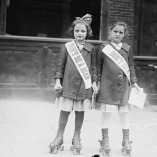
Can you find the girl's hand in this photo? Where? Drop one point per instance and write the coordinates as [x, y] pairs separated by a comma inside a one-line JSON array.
[[95, 89], [98, 85], [58, 86], [137, 87]]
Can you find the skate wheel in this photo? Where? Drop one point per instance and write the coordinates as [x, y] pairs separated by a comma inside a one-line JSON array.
[[76, 152], [53, 150], [105, 153], [71, 148], [100, 142], [100, 149], [61, 148], [50, 151], [123, 150], [126, 153]]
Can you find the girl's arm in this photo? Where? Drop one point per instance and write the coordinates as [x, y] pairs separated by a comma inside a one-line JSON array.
[[99, 65], [60, 69], [131, 67], [132, 71], [61, 63], [135, 85], [94, 70], [58, 86]]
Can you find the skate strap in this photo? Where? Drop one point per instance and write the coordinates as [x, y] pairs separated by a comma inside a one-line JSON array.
[[79, 62], [114, 55]]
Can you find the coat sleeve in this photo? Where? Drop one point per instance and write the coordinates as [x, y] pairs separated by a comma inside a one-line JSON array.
[[94, 65], [131, 66], [99, 62], [61, 63]]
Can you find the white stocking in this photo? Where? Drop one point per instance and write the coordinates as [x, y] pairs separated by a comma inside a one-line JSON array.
[[124, 119], [105, 119]]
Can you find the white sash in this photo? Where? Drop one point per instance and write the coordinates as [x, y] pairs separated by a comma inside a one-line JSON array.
[[117, 58], [79, 63]]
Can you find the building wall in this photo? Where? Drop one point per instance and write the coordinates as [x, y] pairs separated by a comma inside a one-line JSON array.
[[28, 66], [123, 10], [25, 64]]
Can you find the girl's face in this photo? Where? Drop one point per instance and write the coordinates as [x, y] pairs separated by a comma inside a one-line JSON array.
[[117, 34], [80, 32]]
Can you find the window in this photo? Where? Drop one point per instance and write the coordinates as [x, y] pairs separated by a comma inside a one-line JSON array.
[[148, 28], [49, 18]]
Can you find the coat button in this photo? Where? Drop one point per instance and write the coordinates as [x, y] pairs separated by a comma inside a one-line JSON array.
[[77, 81], [120, 76], [119, 85]]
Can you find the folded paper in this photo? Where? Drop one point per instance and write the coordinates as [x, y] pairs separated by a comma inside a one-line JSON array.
[[137, 98]]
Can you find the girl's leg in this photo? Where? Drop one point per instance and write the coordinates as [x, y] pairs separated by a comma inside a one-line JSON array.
[[79, 117], [58, 141], [105, 118], [63, 120], [124, 118], [105, 138]]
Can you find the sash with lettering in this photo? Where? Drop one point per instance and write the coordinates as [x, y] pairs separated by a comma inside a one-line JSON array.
[[79, 62], [117, 58]]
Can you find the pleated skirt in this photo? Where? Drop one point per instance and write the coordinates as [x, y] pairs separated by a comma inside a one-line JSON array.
[[112, 108], [68, 104]]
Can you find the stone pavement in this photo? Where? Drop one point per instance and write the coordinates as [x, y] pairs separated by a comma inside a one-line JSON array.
[[27, 128]]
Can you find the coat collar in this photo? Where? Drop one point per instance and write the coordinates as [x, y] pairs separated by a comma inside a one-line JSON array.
[[88, 46], [125, 46]]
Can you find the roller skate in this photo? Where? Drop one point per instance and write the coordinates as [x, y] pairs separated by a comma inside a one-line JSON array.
[[104, 143], [56, 144], [76, 145], [126, 144], [126, 148]]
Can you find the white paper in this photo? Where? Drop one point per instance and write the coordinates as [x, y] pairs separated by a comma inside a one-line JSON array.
[[137, 98]]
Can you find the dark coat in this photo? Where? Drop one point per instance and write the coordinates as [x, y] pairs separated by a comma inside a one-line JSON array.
[[72, 82], [114, 85]]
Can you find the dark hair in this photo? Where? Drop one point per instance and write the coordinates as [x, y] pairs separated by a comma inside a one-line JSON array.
[[120, 24], [70, 31]]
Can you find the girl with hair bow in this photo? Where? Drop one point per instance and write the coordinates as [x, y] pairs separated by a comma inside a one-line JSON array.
[[76, 78]]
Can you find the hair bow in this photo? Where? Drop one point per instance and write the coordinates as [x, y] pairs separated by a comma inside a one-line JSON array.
[[87, 18]]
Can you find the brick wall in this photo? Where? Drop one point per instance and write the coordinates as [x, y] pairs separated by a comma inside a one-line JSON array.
[[122, 10]]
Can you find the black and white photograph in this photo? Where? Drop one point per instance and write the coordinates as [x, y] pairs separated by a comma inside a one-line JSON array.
[[78, 78]]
